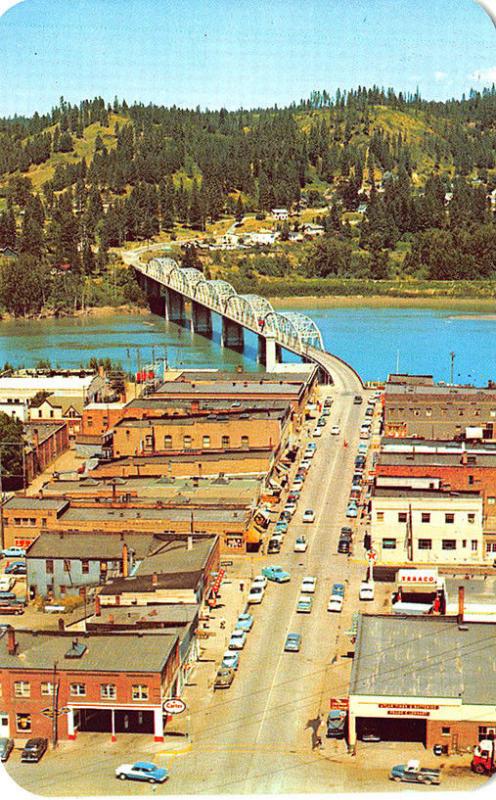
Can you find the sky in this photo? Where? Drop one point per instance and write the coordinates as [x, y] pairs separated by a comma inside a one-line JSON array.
[[237, 53]]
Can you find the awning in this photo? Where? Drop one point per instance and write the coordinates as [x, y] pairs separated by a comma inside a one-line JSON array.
[[253, 535]]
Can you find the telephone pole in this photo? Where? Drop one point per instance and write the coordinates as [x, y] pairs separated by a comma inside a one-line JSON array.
[[452, 370]]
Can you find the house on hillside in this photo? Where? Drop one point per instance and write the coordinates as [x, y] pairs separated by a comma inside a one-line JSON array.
[[280, 213]]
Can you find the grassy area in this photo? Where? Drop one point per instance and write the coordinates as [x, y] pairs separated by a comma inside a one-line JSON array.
[[457, 304]]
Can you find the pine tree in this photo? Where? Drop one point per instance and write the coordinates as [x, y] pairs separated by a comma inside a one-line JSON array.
[[167, 196], [8, 234], [196, 213], [240, 210]]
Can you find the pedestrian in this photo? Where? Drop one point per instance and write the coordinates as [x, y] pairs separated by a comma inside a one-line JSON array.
[[222, 623], [241, 586]]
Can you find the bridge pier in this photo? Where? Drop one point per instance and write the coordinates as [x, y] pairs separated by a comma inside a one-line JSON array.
[[201, 320], [174, 307], [269, 352], [232, 335], [156, 299]]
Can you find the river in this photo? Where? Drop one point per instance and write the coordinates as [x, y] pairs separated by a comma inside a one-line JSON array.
[[373, 340]]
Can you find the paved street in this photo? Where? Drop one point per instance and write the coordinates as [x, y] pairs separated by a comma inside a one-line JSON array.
[[260, 736]]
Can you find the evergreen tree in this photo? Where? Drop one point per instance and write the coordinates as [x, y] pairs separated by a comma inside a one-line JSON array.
[[196, 213], [8, 233]]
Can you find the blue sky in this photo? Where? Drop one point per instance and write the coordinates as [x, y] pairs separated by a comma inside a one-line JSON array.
[[234, 53]]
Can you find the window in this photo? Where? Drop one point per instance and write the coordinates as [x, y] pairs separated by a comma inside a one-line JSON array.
[[85, 566], [471, 518], [187, 441], [23, 723], [49, 566], [491, 547], [140, 692], [448, 544], [425, 544], [226, 441], [389, 544], [22, 689], [89, 422], [108, 691], [445, 731], [167, 442], [148, 440], [464, 542], [428, 412], [491, 501], [402, 516], [46, 688], [43, 523], [206, 441], [67, 565], [470, 480], [379, 516], [426, 517], [78, 690], [474, 545], [449, 519], [245, 441]]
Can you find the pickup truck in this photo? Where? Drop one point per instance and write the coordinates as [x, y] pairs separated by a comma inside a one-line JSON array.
[[276, 574], [413, 773]]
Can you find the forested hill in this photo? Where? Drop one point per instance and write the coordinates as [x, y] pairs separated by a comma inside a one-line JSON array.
[[82, 179]]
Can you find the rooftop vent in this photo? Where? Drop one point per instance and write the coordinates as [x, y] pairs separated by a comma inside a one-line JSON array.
[[77, 649]]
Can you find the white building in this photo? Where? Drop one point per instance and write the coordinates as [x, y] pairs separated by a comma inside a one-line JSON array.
[[67, 383], [426, 526], [280, 213], [17, 409]]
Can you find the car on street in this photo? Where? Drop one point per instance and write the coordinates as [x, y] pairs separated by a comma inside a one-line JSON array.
[[278, 535], [245, 622], [414, 773], [360, 461], [298, 481], [338, 589], [224, 678], [7, 582], [362, 449], [328, 400], [355, 493], [281, 525], [358, 399], [308, 454], [369, 411], [308, 584], [305, 464], [292, 643], [304, 604], [326, 411], [321, 422], [238, 640], [142, 771], [335, 603], [14, 552], [259, 580], [357, 477], [231, 659], [335, 430], [6, 747], [284, 516], [317, 432], [276, 574], [352, 510], [364, 433], [34, 749], [16, 568], [290, 509], [274, 545], [344, 546], [309, 515], [256, 594], [366, 591], [300, 544]]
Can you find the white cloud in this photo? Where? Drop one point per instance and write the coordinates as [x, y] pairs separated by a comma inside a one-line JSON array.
[[6, 4], [484, 75], [440, 76]]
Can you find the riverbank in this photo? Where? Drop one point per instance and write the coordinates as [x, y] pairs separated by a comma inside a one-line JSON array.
[[475, 304]]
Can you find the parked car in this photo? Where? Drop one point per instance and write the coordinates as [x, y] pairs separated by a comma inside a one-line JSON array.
[[366, 591], [142, 771], [362, 449], [364, 433], [14, 552], [11, 608], [358, 399], [259, 580], [7, 597], [414, 773], [276, 574], [317, 432], [357, 477], [370, 736], [352, 510], [328, 401], [284, 516], [277, 536], [309, 515], [245, 622], [6, 747], [290, 509], [305, 464], [34, 749], [292, 643], [335, 604], [304, 604], [308, 584], [274, 545], [297, 482], [321, 422], [281, 525], [335, 430], [256, 594], [308, 454], [338, 589], [344, 546], [238, 640], [326, 411], [7, 582], [224, 678], [360, 461], [16, 568], [300, 544], [230, 659]]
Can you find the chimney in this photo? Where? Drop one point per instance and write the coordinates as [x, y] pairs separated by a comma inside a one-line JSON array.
[[464, 458], [61, 624], [461, 603], [190, 543], [154, 579], [111, 619], [125, 561], [98, 607], [11, 642], [195, 406]]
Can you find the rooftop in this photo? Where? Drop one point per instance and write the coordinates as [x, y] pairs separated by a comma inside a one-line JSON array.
[[209, 376], [279, 412], [177, 614], [391, 444], [238, 387], [406, 491], [91, 545], [150, 583], [163, 515], [187, 458], [35, 504], [482, 459], [446, 392], [173, 556], [44, 430], [424, 657]]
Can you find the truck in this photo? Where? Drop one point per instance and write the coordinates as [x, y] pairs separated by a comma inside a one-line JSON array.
[[336, 723], [483, 761], [412, 772]]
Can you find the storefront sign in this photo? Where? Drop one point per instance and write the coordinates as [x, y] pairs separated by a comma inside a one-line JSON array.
[[397, 713], [423, 706], [174, 706], [340, 703], [427, 577]]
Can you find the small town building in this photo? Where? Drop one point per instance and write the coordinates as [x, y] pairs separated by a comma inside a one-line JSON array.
[[26, 384], [423, 679], [280, 213], [46, 441], [17, 409], [24, 518]]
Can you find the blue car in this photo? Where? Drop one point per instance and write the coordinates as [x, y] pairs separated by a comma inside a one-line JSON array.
[[338, 589], [230, 660], [16, 568], [142, 771], [14, 552], [352, 510], [245, 622], [292, 643], [276, 574]]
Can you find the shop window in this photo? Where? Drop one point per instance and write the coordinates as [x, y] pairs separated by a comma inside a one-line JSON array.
[[448, 544], [206, 441], [85, 566], [22, 689], [471, 518], [167, 442], [449, 519], [426, 517], [425, 544], [445, 731], [389, 544], [23, 723], [78, 690], [140, 692], [379, 516], [108, 691], [46, 688], [226, 441], [402, 516]]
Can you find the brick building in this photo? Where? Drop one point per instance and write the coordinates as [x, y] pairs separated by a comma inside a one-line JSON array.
[[46, 441], [109, 683], [235, 462], [24, 518]]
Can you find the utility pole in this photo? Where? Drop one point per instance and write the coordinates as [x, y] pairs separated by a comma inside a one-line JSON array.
[[452, 357], [2, 543], [55, 706]]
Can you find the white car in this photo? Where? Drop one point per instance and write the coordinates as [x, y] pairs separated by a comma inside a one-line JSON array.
[[305, 464], [7, 582], [309, 515], [238, 640], [260, 580], [309, 452], [278, 536], [256, 594], [335, 430], [300, 545], [335, 603], [290, 508], [317, 432], [308, 585], [297, 483], [366, 591]]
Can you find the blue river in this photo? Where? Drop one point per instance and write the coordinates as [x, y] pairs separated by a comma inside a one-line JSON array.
[[374, 340]]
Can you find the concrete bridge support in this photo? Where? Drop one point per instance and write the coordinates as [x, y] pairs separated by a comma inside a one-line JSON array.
[[201, 320], [232, 335], [269, 352], [155, 295], [174, 307]]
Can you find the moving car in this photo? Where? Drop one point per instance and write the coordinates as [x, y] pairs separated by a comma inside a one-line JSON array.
[[276, 574], [366, 591], [14, 552], [274, 545], [352, 510], [238, 640], [6, 747], [16, 568], [335, 604], [292, 643], [358, 399], [344, 546], [260, 580], [230, 659], [304, 604], [142, 771], [414, 773], [338, 589], [309, 515], [256, 594], [335, 430], [245, 622], [224, 678], [300, 545], [317, 432], [34, 749], [308, 584], [321, 422]]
